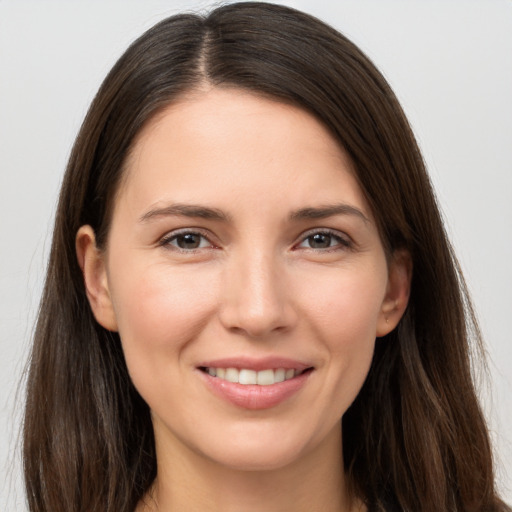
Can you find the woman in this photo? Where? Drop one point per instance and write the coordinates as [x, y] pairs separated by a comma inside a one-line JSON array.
[[251, 302]]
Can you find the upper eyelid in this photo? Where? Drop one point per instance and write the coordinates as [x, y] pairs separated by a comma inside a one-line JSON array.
[[328, 231], [208, 235], [345, 241], [184, 231]]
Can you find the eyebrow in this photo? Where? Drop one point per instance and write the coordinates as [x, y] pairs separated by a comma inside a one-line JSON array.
[[324, 212], [203, 212], [185, 210]]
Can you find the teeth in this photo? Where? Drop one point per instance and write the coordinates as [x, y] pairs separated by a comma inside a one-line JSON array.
[[266, 377], [245, 376], [232, 374], [280, 375]]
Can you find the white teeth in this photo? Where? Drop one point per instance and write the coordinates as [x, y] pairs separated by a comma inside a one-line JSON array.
[[231, 375], [266, 377], [246, 376], [279, 375]]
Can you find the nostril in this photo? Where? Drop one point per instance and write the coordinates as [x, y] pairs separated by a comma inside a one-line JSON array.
[[256, 302]]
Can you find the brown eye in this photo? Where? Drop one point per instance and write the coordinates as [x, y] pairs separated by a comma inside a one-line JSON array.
[[320, 241], [188, 241], [325, 240]]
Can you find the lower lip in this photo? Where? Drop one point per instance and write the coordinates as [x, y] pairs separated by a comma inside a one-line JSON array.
[[253, 396]]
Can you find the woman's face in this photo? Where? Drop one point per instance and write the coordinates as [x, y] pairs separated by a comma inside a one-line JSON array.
[[242, 248]]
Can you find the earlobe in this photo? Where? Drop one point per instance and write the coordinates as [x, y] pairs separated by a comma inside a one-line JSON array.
[[92, 263], [397, 292]]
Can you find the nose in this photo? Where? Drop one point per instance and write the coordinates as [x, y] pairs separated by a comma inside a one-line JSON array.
[[256, 298]]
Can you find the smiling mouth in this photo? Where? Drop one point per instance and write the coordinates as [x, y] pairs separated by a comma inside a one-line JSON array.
[[246, 376]]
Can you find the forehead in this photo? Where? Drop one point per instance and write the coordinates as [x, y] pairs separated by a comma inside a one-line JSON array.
[[233, 145]]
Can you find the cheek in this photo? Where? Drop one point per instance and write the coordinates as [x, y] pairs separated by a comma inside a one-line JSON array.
[[346, 304], [346, 312], [158, 312]]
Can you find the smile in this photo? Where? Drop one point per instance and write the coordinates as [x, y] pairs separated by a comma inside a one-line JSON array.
[[245, 376], [255, 389]]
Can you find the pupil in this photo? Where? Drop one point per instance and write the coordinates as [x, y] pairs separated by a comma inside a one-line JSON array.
[[189, 241], [320, 241]]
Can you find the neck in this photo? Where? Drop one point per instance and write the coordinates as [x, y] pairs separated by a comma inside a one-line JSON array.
[[187, 481]]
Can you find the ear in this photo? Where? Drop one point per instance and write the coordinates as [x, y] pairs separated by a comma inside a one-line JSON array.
[[397, 292], [92, 263]]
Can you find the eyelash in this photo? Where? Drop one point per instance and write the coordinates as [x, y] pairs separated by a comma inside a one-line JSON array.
[[343, 242], [167, 240]]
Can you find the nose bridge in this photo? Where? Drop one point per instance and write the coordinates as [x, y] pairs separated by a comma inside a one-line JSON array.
[[256, 298]]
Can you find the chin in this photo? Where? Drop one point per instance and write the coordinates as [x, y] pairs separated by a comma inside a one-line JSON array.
[[261, 448], [256, 458]]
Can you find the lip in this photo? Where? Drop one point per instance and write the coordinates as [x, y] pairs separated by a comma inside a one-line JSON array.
[[264, 363], [253, 396]]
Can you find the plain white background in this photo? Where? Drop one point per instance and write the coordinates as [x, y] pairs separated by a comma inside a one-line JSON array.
[[449, 61]]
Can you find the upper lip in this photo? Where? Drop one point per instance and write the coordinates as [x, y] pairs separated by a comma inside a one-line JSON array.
[[258, 364]]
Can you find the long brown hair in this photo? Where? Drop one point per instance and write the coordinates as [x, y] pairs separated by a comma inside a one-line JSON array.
[[415, 438]]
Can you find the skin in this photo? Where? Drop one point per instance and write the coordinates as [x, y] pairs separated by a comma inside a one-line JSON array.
[[257, 285]]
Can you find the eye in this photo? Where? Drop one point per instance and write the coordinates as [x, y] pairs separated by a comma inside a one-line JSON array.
[[324, 240], [186, 241]]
